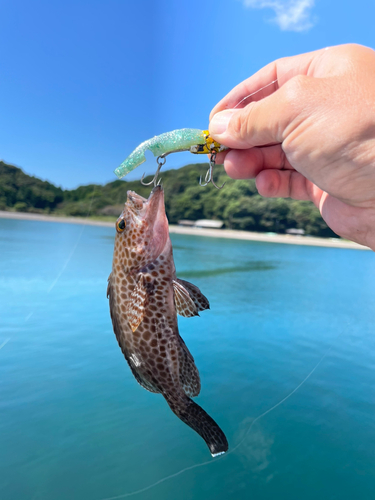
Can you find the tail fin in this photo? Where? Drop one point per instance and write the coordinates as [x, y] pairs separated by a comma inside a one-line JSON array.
[[196, 418]]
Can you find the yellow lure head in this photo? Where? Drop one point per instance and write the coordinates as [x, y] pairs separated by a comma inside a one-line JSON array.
[[209, 146]]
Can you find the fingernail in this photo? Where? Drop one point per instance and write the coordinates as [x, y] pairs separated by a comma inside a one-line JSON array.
[[219, 123]]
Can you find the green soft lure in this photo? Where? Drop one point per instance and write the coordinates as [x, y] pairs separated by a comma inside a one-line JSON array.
[[186, 139]]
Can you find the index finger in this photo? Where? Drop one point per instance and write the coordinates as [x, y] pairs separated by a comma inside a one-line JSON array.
[[267, 80]]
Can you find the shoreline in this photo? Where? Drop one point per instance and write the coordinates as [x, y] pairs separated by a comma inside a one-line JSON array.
[[213, 233]]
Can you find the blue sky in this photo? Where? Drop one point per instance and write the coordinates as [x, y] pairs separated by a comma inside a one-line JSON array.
[[82, 83]]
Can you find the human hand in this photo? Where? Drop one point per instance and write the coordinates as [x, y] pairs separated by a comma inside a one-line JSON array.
[[309, 136]]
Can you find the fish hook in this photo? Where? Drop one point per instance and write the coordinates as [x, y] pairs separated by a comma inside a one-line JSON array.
[[207, 178], [160, 161], [209, 174]]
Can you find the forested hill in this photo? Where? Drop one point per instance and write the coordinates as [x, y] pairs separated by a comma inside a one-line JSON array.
[[21, 192], [238, 204]]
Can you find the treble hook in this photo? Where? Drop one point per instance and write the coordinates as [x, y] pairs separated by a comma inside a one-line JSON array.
[[160, 161], [209, 174]]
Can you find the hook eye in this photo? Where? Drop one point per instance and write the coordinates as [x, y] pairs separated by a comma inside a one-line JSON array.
[[160, 161]]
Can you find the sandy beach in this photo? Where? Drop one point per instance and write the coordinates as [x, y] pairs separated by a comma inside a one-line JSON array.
[[213, 233]]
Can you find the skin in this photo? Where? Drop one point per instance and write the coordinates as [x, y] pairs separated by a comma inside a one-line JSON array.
[[309, 136]]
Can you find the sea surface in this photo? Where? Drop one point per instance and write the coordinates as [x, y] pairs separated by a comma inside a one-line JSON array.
[[286, 356]]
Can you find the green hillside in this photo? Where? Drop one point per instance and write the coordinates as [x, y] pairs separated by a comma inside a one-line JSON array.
[[238, 204], [21, 192]]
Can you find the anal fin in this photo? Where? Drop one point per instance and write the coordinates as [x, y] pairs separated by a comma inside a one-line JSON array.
[[132, 362], [189, 374]]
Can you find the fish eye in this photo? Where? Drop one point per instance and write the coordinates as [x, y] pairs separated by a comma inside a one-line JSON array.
[[120, 226]]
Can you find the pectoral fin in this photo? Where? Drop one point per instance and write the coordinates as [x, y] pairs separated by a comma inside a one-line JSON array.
[[185, 305], [138, 302], [200, 301]]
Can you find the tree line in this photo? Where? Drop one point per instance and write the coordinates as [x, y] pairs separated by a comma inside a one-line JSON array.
[[238, 204]]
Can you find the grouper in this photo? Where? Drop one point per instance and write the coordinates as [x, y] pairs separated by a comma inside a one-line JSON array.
[[144, 297]]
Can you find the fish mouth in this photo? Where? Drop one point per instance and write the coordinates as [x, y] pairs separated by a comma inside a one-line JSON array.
[[135, 201], [151, 212], [155, 210], [157, 220], [147, 208], [155, 203]]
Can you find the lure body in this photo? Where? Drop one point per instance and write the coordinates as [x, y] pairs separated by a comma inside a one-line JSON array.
[[186, 139], [145, 296]]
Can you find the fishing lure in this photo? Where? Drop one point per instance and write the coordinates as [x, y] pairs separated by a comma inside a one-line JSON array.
[[186, 139]]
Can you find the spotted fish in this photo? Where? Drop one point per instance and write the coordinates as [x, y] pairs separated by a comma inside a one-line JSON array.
[[145, 297]]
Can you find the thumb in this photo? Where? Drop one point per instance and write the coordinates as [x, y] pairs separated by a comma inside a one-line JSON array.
[[262, 122]]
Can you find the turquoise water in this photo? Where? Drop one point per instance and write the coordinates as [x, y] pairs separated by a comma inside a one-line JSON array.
[[75, 425]]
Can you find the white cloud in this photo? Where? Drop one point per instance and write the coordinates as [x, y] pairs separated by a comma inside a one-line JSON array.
[[291, 15]]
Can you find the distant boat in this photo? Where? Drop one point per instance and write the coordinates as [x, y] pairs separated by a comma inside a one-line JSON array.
[[186, 222], [295, 232], [202, 223]]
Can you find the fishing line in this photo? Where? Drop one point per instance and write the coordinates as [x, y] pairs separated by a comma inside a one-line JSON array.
[[5, 343], [62, 269], [67, 261], [283, 400], [208, 462], [74, 249], [244, 99], [286, 76]]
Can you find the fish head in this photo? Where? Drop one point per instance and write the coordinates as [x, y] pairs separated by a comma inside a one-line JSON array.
[[141, 230]]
